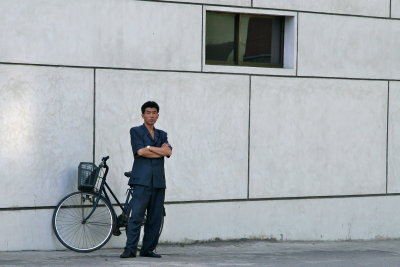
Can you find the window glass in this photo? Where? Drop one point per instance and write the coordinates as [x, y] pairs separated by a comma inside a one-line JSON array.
[[260, 39], [220, 37], [244, 39]]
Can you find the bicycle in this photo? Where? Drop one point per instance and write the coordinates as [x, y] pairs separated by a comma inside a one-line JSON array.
[[84, 221]]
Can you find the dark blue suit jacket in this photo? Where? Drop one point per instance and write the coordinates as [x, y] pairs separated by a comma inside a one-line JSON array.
[[146, 171]]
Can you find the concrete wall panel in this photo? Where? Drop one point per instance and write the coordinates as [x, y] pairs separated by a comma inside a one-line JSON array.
[[18, 234], [46, 129], [307, 219], [27, 230], [317, 137], [379, 8], [109, 33], [394, 139], [217, 2], [395, 9], [286, 220], [350, 47], [205, 115]]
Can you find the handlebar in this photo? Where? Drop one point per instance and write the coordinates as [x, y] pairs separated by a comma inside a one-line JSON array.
[[104, 162]]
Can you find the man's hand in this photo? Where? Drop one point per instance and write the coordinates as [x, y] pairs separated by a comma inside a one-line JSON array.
[[166, 145], [165, 150], [156, 152]]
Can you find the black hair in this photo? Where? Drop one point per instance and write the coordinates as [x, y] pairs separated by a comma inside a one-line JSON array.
[[150, 104]]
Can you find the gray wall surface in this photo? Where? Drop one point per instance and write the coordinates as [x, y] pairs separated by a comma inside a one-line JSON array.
[[394, 138], [310, 151], [46, 123], [376, 8], [395, 10], [102, 33], [317, 137], [348, 47]]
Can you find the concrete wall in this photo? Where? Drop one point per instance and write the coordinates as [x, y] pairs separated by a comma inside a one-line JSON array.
[[395, 9], [102, 33], [307, 152], [317, 137], [301, 219], [46, 122], [376, 8], [348, 47], [394, 138]]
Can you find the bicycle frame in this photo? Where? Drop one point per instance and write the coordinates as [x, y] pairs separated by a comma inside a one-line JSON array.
[[103, 192]]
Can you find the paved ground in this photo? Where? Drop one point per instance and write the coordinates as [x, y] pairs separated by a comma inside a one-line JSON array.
[[239, 253]]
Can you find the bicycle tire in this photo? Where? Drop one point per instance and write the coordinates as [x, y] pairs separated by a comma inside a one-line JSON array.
[[77, 235]]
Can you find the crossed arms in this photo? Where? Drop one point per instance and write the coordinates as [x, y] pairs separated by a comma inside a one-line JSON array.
[[155, 152], [139, 148]]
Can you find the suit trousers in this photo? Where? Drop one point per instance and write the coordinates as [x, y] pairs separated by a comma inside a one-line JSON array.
[[150, 199]]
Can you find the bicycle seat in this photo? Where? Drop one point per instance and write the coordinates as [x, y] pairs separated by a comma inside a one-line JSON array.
[[127, 174]]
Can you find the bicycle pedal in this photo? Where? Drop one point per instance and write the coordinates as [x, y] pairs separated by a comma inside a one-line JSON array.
[[117, 232]]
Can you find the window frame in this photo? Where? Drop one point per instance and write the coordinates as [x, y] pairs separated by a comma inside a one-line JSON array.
[[237, 29], [290, 43]]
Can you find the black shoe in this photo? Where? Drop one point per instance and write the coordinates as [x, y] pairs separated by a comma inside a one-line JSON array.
[[128, 254], [150, 254]]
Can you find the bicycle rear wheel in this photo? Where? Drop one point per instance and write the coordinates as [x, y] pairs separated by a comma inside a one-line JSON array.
[[75, 233]]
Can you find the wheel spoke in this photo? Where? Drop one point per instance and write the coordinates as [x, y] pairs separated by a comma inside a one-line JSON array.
[[73, 232]]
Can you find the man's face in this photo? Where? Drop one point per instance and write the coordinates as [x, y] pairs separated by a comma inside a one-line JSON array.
[[150, 116]]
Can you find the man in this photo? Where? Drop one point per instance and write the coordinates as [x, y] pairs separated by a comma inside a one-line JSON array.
[[149, 147]]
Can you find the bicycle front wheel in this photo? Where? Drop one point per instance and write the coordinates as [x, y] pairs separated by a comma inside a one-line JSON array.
[[77, 232]]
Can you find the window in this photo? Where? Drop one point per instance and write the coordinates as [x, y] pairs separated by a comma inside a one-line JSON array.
[[244, 39]]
